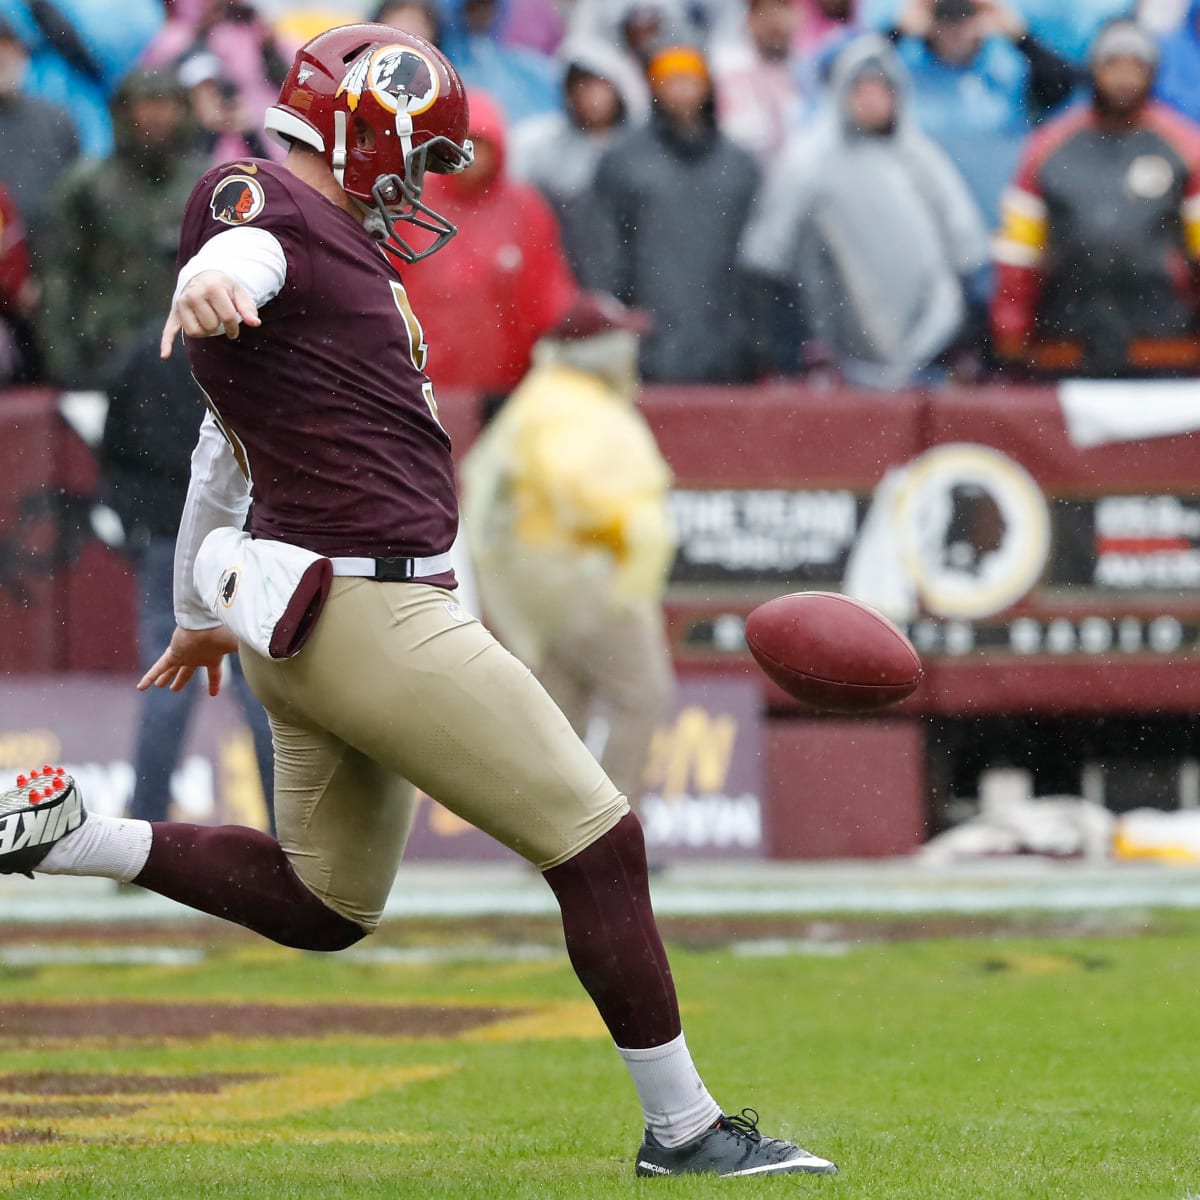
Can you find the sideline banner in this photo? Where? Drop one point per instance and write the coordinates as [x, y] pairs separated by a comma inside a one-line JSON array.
[[1030, 571]]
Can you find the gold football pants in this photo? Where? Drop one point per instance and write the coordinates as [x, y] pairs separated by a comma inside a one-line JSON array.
[[399, 688]]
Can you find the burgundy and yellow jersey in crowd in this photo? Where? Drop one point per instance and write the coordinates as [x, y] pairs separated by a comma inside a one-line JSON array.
[[1098, 255], [327, 404], [14, 253]]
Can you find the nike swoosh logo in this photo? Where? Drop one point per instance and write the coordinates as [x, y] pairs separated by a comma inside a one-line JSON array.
[[246, 168]]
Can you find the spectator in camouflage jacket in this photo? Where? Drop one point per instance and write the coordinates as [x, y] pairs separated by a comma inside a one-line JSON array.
[[113, 229]]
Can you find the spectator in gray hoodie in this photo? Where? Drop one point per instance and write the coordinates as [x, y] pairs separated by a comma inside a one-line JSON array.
[[557, 152], [876, 227]]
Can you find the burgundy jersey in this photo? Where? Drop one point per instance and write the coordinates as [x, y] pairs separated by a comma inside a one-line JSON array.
[[326, 404]]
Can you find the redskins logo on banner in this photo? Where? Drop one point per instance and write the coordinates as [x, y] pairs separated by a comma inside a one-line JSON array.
[[961, 532]]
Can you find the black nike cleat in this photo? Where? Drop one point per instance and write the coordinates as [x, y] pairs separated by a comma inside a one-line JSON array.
[[35, 816], [733, 1146]]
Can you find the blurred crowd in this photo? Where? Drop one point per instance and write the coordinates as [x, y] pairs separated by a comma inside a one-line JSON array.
[[882, 193]]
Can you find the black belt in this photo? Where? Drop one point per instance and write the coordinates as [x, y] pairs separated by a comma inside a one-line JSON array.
[[393, 570]]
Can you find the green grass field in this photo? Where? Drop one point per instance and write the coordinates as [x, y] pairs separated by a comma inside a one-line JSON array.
[[989, 1067]]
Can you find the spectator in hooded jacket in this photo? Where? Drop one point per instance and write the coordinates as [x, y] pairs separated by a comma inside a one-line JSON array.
[[672, 200], [873, 224], [558, 152], [980, 82], [502, 282], [1178, 82], [1099, 256]]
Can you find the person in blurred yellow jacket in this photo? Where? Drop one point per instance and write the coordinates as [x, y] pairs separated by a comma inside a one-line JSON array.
[[565, 512]]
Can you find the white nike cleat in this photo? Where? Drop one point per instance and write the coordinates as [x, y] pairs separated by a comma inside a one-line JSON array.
[[35, 816]]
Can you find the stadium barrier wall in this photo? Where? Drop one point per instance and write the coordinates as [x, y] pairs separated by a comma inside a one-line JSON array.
[[1037, 568]]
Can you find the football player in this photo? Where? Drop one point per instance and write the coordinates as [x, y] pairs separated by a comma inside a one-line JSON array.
[[298, 328]]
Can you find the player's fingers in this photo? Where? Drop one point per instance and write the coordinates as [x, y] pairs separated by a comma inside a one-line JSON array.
[[182, 678], [214, 676], [200, 319], [227, 303], [244, 303], [170, 329], [223, 303], [164, 666]]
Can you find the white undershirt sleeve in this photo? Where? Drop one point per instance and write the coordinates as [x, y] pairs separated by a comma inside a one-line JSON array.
[[218, 495], [218, 492], [254, 257]]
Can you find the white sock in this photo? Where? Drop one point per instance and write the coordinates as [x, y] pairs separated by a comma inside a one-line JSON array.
[[675, 1101], [110, 847]]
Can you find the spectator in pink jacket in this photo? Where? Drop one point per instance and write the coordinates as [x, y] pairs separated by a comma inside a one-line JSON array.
[[239, 37]]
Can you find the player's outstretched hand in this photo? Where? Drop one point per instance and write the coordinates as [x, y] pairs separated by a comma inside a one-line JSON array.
[[191, 649], [211, 302]]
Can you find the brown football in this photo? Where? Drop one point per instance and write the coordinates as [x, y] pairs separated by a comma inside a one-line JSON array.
[[833, 652]]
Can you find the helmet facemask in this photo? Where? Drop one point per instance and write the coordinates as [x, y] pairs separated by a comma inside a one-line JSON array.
[[398, 198]]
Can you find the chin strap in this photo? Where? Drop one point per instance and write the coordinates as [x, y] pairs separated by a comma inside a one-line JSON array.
[[338, 156], [404, 130]]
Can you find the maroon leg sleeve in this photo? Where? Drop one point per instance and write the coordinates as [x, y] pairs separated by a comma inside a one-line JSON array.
[[612, 938], [243, 876]]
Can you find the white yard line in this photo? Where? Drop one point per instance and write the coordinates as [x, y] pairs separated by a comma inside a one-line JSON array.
[[889, 887]]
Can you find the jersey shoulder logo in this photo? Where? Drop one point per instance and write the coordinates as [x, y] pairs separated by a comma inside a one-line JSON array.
[[237, 199]]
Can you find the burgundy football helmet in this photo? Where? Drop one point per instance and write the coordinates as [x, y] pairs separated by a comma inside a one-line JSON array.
[[382, 107]]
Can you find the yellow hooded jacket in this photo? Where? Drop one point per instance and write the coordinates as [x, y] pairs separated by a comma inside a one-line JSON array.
[[565, 490]]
